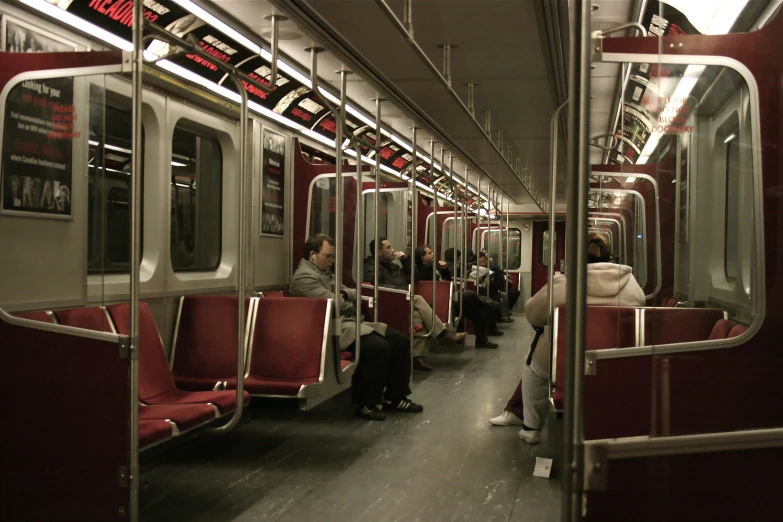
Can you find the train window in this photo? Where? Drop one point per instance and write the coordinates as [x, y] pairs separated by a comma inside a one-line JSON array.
[[732, 174], [371, 209], [322, 207], [196, 201], [108, 208]]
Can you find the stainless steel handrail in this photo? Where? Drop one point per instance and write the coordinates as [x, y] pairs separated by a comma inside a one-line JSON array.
[[414, 215], [578, 184], [553, 130], [135, 253], [62, 329], [376, 261]]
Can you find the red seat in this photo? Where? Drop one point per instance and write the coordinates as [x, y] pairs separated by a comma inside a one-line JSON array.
[[617, 399], [152, 432], [90, 318], [156, 384], [677, 325], [737, 330], [443, 294], [288, 347], [204, 352], [721, 329], [185, 416]]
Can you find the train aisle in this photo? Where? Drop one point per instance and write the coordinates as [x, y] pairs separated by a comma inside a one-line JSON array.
[[447, 463]]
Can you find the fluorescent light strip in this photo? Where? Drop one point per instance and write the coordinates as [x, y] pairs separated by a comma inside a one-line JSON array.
[[218, 24], [111, 170], [730, 137], [178, 164]]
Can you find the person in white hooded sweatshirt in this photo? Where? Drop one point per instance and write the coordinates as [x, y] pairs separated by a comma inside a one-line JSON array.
[[607, 284]]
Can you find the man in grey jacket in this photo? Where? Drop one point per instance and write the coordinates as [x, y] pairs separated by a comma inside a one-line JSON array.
[[385, 361]]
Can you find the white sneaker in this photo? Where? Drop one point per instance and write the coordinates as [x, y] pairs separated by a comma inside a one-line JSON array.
[[530, 436], [507, 419]]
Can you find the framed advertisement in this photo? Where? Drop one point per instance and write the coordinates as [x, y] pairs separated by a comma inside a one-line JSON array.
[[21, 37], [273, 184]]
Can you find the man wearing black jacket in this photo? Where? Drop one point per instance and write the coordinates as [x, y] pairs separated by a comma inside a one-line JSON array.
[[472, 306]]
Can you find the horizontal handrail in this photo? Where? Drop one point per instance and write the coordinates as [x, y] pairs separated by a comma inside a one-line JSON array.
[[386, 289], [58, 328], [645, 446]]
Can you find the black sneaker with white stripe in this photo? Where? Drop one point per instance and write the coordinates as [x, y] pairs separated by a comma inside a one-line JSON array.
[[370, 413], [403, 405]]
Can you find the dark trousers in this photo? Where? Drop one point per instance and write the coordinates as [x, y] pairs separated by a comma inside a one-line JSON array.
[[513, 297], [475, 309], [384, 363]]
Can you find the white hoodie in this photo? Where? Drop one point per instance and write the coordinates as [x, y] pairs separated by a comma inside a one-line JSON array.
[[608, 284]]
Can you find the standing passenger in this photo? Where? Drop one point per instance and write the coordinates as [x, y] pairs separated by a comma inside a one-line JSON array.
[[607, 284], [385, 358]]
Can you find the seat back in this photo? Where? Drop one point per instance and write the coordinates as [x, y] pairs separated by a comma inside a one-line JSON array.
[[205, 336], [393, 308], [36, 315], [677, 325], [154, 373], [721, 329], [443, 292], [60, 462], [289, 339], [737, 330], [90, 318]]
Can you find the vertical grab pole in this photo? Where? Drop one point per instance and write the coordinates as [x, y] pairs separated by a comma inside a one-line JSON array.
[[241, 257], [359, 224], [578, 185], [455, 198], [508, 239], [414, 215], [338, 210], [465, 212], [135, 273], [478, 235], [435, 224], [552, 243], [377, 198]]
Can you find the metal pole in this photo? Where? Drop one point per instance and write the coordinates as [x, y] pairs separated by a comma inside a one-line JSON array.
[[339, 203], [135, 240], [434, 227], [487, 124], [478, 235], [275, 19], [578, 185], [446, 62], [455, 198], [508, 238], [500, 142], [471, 106], [552, 243], [377, 199], [464, 256], [414, 215], [360, 240], [407, 16]]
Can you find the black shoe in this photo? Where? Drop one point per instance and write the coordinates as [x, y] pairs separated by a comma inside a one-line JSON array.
[[403, 405], [507, 320], [496, 333], [370, 413], [487, 344]]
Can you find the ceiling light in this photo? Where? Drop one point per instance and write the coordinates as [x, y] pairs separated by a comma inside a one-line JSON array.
[[178, 164], [218, 24], [731, 137], [630, 179]]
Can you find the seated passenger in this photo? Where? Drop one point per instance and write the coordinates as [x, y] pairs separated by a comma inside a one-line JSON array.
[[385, 359], [487, 282], [472, 307], [607, 284], [498, 284], [394, 272]]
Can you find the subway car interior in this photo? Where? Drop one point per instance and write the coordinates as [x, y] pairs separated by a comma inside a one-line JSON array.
[[288, 260]]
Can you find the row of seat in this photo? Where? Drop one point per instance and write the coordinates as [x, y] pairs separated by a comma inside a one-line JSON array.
[[285, 352], [622, 398]]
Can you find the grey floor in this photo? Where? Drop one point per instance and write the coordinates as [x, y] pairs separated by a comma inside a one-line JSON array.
[[446, 464]]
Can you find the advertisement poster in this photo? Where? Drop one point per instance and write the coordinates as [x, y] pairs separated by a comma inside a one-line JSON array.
[[37, 148], [273, 184]]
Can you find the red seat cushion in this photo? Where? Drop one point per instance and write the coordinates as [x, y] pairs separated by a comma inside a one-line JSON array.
[[678, 325], [152, 431], [269, 386], [185, 416], [345, 355], [345, 364], [224, 400], [737, 330]]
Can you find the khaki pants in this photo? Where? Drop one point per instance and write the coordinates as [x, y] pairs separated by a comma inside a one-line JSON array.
[[422, 314]]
